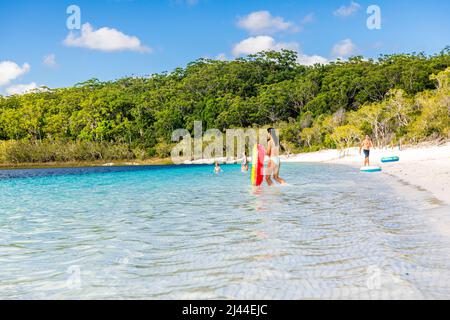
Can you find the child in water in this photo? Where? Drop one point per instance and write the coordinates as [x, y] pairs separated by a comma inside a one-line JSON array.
[[217, 168]]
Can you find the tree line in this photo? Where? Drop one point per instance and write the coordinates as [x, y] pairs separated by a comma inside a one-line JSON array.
[[395, 98]]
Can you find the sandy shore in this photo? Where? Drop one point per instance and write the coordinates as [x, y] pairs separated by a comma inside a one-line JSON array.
[[425, 167]]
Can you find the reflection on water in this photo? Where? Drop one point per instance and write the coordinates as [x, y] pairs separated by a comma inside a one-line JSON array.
[[183, 232]]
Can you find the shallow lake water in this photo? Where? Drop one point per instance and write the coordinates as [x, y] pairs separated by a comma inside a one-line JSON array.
[[181, 232]]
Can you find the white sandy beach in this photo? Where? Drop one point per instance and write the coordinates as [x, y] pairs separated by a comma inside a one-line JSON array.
[[425, 167]]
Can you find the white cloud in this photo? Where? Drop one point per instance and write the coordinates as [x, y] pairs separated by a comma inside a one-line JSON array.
[[10, 70], [50, 60], [257, 44], [262, 22], [20, 88], [347, 11], [254, 45], [308, 19], [306, 60], [187, 2], [192, 2], [104, 39], [222, 57], [344, 49]]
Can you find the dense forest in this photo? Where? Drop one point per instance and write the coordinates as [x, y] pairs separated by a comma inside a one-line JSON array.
[[395, 98]]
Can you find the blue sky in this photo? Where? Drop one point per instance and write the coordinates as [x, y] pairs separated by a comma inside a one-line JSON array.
[[138, 37]]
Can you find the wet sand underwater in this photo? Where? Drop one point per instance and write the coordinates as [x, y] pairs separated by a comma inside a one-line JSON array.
[[185, 233]]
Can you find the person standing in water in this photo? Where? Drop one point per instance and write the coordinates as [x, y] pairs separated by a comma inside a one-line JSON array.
[[244, 167], [366, 145], [273, 151], [217, 168]]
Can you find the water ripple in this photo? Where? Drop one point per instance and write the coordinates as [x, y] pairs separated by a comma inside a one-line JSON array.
[[184, 233]]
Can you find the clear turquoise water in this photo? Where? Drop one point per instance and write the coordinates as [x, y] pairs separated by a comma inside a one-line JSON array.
[[185, 233]]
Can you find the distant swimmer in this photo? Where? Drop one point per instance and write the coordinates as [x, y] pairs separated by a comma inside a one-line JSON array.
[[273, 151], [217, 168], [366, 145], [244, 167]]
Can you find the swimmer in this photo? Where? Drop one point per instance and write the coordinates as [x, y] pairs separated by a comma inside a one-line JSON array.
[[217, 168]]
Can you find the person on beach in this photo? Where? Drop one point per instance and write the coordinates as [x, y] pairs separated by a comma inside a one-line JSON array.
[[366, 145], [217, 168], [273, 151], [244, 167]]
